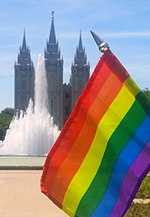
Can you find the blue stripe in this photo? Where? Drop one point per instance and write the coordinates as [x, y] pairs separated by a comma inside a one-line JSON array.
[[131, 151]]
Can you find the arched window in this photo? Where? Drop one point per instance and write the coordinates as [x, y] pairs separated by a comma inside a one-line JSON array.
[[80, 85], [23, 85], [52, 106], [23, 101], [67, 96]]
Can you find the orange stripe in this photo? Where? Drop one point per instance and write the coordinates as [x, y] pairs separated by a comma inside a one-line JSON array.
[[82, 143]]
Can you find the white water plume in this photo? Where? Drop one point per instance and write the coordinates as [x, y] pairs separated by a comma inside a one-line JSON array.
[[33, 132]]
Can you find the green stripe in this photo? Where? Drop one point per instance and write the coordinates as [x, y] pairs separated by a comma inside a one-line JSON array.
[[118, 140]]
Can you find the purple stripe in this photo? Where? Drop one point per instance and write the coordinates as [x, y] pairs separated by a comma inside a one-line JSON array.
[[134, 177]]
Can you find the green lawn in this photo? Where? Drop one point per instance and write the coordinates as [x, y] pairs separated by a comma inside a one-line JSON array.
[[141, 210]]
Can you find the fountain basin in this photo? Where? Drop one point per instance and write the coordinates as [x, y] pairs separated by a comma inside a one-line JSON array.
[[21, 162]]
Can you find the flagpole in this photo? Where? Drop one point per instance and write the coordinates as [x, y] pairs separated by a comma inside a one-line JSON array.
[[103, 46]]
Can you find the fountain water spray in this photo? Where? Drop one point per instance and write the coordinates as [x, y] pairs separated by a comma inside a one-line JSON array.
[[33, 132]]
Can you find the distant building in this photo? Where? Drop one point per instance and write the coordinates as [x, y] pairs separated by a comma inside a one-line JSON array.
[[61, 97], [24, 77]]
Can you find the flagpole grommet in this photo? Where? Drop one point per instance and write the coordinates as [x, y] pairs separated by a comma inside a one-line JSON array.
[[103, 47]]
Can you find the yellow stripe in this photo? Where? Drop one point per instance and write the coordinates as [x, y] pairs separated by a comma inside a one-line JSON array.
[[90, 165]]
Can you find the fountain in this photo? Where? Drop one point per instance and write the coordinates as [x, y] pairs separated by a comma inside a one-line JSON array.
[[33, 132]]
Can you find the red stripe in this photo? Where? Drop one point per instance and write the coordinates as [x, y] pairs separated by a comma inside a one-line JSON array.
[[115, 66]]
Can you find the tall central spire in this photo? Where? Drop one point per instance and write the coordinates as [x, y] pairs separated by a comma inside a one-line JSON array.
[[24, 47], [52, 37], [80, 43]]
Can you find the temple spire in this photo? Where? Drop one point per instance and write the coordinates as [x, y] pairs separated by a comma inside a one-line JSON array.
[[24, 41], [80, 42], [52, 37]]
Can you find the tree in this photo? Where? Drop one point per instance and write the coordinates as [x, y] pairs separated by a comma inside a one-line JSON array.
[[5, 118], [147, 93]]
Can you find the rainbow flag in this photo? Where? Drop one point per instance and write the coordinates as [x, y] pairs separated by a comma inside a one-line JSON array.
[[103, 152]]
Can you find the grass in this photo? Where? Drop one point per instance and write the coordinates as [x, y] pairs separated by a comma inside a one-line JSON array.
[[141, 210]]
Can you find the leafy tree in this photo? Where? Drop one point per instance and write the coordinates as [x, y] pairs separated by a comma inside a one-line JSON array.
[[147, 93], [5, 118]]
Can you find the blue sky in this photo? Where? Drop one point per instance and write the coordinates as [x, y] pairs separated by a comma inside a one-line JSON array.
[[125, 25]]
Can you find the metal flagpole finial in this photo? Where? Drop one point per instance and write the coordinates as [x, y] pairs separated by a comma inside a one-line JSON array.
[[103, 46]]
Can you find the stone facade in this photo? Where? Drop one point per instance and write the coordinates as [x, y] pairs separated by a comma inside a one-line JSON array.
[[61, 97]]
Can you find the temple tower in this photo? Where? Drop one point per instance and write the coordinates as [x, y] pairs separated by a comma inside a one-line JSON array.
[[24, 77], [80, 71], [54, 70]]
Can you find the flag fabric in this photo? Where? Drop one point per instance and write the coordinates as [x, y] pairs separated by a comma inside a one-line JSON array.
[[102, 154]]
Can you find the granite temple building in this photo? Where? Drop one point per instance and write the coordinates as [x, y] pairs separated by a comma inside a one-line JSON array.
[[61, 96]]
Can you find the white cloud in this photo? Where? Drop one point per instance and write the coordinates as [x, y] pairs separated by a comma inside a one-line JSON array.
[[125, 34], [87, 35]]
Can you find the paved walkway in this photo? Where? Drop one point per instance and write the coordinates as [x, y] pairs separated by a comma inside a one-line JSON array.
[[20, 196]]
